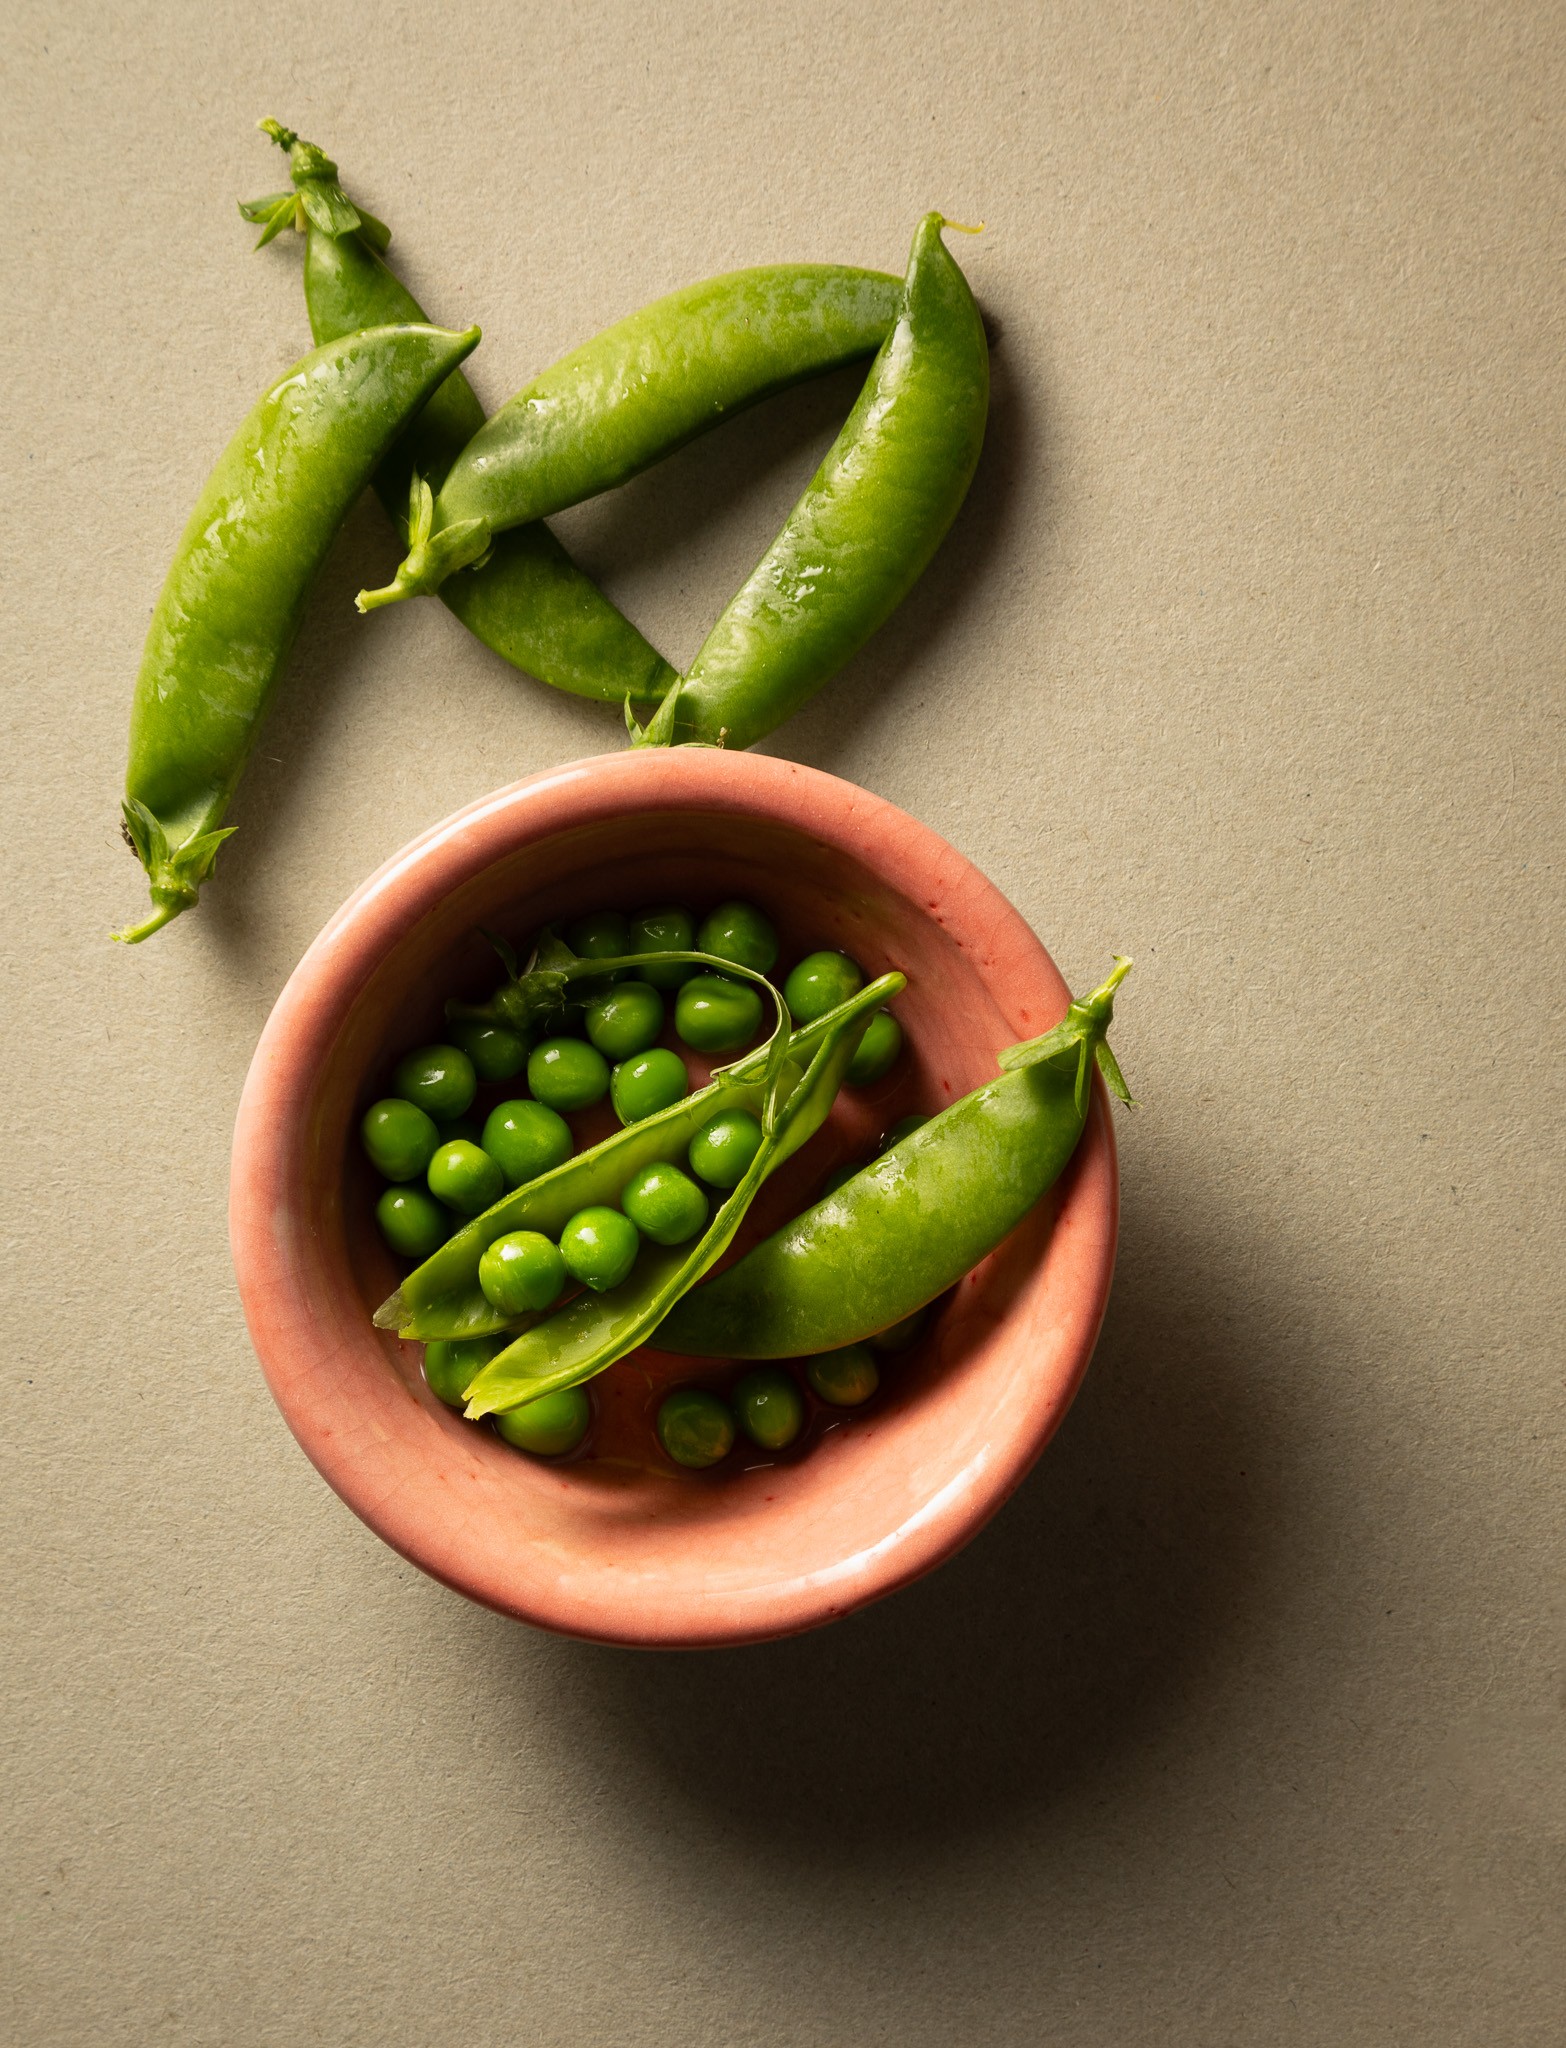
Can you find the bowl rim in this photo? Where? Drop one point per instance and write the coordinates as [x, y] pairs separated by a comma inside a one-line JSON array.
[[392, 901]]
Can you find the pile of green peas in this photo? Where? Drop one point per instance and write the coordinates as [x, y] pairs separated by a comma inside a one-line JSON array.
[[443, 1167]]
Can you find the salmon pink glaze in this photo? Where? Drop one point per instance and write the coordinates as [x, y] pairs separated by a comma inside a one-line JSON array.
[[616, 1548]]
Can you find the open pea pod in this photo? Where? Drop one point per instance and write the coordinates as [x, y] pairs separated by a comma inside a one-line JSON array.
[[595, 1330]]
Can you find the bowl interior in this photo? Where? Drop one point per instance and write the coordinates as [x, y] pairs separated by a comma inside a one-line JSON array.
[[617, 1544]]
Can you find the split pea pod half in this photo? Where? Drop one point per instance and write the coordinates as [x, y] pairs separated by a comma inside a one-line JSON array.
[[236, 592], [529, 603], [868, 523], [638, 391], [912, 1223]]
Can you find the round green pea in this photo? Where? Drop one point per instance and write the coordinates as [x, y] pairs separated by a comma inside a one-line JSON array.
[[497, 1054], [840, 1178], [904, 1127], [399, 1139], [722, 1150], [599, 1247], [439, 1078], [819, 983], [625, 1019], [412, 1222], [846, 1377], [901, 1335], [770, 1408], [664, 1204], [877, 1051], [666, 929], [526, 1139], [465, 1178], [739, 932], [451, 1366], [716, 1015], [652, 1081], [521, 1272], [606, 935], [550, 1426], [565, 1073], [695, 1427]]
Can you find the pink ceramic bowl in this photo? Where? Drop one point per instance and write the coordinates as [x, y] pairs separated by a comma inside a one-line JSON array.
[[617, 1547]]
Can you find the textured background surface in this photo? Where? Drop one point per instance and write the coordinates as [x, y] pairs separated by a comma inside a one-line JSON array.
[[1243, 1722]]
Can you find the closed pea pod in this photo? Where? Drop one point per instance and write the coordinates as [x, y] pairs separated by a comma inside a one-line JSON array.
[[529, 603], [911, 1224], [235, 595]]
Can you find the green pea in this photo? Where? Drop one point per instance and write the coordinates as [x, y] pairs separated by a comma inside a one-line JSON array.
[[550, 1426], [451, 1366], [904, 1127], [412, 1222], [643, 1086], [497, 1054], [715, 1015], [901, 1335], [526, 1139], [625, 1019], [599, 1247], [664, 1204], [769, 1406], [605, 935], [399, 1139], [521, 1273], [819, 983], [877, 1050], [722, 1150], [739, 932], [695, 1427], [563, 1073], [845, 1378], [465, 1178], [840, 1178], [439, 1078], [664, 930]]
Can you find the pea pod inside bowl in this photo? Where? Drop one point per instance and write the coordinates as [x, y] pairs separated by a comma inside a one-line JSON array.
[[612, 1546]]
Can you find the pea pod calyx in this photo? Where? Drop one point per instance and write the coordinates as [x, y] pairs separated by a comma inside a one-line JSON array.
[[317, 199]]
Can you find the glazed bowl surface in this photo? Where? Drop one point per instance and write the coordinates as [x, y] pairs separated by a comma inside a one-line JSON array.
[[618, 1546]]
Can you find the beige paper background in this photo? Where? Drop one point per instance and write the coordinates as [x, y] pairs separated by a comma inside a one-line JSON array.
[[1243, 1722]]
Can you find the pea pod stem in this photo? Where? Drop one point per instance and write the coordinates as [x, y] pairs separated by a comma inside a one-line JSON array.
[[917, 1219]]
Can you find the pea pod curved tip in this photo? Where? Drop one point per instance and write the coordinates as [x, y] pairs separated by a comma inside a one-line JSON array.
[[165, 913], [961, 227]]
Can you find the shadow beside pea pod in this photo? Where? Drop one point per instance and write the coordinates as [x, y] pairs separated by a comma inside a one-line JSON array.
[[1118, 1593]]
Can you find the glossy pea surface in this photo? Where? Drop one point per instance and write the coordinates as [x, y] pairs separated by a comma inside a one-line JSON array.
[[399, 1139], [465, 1178], [550, 1426], [497, 1054], [845, 1378], [876, 1053], [412, 1222], [695, 1427], [526, 1139], [567, 1074], [644, 1085], [819, 983], [666, 929], [665, 1204], [741, 933], [625, 1019], [450, 1366], [722, 1150], [438, 1078], [606, 935], [521, 1272], [714, 1015], [599, 1246], [770, 1408]]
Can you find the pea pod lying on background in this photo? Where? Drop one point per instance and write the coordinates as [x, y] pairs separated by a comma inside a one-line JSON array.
[[868, 523], [910, 1225], [530, 603], [635, 393], [235, 594]]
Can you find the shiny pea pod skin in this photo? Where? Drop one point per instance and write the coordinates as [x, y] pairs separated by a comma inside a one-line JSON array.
[[235, 594], [643, 388], [529, 603], [869, 520]]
